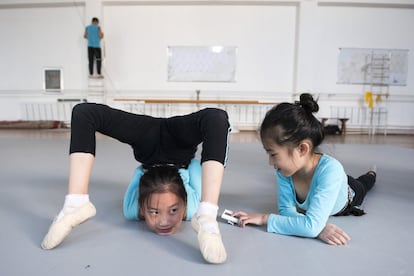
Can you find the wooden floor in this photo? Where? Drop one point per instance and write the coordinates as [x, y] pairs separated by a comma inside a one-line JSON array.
[[406, 140]]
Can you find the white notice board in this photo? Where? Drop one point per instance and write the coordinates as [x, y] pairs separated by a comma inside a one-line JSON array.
[[202, 63], [356, 66]]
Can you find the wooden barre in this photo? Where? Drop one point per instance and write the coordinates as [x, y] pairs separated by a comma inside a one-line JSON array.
[[174, 101]]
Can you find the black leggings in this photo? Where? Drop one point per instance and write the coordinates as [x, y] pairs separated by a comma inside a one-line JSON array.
[[360, 186], [154, 141], [94, 53]]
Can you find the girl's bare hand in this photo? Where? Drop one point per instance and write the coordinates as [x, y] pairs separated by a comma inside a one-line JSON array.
[[333, 235], [247, 218]]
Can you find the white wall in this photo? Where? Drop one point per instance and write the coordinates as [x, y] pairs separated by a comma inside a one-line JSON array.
[[359, 27], [137, 38], [34, 38], [284, 48]]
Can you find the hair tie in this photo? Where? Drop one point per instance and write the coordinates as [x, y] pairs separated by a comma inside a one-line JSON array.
[[298, 103]]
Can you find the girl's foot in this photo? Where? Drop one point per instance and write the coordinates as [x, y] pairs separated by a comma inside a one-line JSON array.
[[65, 222], [211, 245], [372, 170]]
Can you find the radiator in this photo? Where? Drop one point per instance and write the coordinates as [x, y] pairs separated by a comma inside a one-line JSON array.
[[362, 118], [50, 111]]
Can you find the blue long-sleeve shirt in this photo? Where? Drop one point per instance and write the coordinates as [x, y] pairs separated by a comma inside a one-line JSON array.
[[328, 194], [192, 183]]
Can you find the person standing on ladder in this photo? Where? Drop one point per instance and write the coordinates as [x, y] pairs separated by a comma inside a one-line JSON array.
[[94, 34]]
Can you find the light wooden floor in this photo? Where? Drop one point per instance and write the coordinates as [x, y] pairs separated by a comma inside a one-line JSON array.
[[406, 141]]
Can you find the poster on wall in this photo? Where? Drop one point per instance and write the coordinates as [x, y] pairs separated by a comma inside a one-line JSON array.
[[201, 63], [372, 66]]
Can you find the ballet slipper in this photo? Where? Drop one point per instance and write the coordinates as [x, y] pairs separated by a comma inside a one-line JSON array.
[[211, 245], [59, 229]]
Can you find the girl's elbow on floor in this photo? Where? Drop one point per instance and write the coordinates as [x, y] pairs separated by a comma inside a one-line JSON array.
[[310, 230], [313, 232]]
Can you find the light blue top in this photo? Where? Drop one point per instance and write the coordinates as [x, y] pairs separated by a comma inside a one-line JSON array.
[[328, 194], [192, 184], [93, 36]]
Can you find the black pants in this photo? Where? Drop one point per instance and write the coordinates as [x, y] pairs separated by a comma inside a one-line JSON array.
[[360, 186], [154, 141], [94, 54]]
